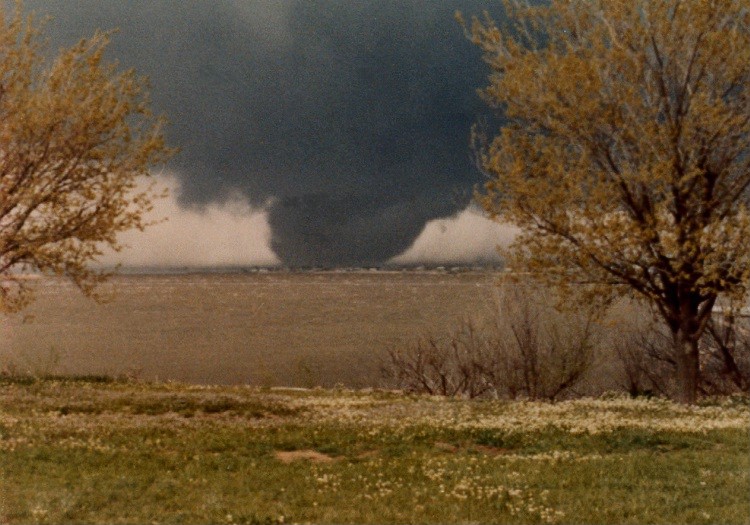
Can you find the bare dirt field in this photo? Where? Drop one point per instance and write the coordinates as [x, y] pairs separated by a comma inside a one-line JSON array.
[[272, 329]]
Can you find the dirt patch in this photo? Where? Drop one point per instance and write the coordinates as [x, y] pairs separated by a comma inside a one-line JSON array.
[[492, 451], [288, 456], [481, 449], [446, 447]]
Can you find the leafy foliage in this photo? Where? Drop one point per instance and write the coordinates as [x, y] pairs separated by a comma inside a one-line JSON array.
[[75, 134], [626, 158]]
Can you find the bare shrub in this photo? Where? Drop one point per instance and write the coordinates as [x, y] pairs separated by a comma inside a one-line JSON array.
[[527, 348], [644, 349], [725, 353], [546, 350], [458, 363]]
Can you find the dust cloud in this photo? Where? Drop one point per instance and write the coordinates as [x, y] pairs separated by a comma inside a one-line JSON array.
[[224, 233], [467, 237], [232, 232]]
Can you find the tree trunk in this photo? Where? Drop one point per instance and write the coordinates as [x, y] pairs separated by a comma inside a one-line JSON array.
[[688, 366]]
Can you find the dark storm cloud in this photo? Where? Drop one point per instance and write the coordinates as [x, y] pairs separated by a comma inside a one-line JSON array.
[[346, 229], [352, 117]]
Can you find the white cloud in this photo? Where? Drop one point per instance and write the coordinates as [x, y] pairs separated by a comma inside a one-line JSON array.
[[222, 234], [462, 239]]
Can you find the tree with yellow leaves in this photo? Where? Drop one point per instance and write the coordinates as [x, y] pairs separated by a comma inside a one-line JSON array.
[[75, 135], [625, 160]]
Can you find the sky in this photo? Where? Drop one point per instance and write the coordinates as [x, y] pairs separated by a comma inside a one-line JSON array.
[[311, 132]]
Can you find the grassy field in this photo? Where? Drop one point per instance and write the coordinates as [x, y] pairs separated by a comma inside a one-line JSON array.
[[130, 452]]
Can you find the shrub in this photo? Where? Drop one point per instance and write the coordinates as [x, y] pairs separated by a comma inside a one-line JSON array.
[[644, 350], [527, 348]]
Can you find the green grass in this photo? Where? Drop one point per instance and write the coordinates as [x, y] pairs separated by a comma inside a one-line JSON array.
[[125, 452]]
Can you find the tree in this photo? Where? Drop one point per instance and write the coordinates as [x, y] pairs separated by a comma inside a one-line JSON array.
[[625, 160], [75, 136]]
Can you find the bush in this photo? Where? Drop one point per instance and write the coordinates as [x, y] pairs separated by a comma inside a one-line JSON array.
[[458, 363], [643, 348], [527, 348], [725, 354]]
